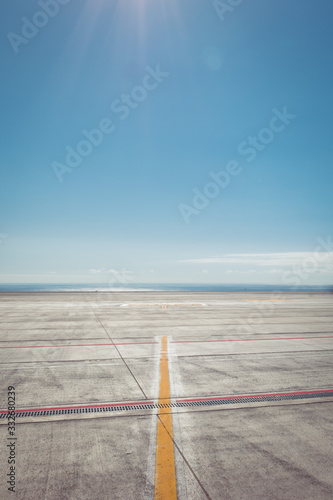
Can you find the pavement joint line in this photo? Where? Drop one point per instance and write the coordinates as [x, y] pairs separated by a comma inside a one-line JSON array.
[[188, 464], [114, 344], [165, 487], [119, 353], [238, 354], [249, 340], [54, 340], [75, 345]]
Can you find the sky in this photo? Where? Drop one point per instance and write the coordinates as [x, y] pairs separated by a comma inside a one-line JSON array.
[[164, 141]]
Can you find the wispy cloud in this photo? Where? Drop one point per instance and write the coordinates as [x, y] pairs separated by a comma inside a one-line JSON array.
[[110, 271], [283, 259]]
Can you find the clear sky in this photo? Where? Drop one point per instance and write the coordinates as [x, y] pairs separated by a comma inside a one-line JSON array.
[[213, 159]]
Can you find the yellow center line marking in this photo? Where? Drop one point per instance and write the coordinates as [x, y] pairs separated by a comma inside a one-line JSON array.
[[165, 471]]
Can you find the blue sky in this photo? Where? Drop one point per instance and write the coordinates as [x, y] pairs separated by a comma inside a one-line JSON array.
[[197, 81]]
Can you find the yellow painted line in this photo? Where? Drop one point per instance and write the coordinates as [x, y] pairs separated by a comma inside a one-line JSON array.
[[165, 471]]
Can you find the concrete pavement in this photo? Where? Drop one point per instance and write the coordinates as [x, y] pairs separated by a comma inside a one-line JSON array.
[[249, 390]]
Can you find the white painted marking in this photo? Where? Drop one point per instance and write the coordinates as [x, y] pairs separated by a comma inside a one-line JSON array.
[[150, 474], [175, 389]]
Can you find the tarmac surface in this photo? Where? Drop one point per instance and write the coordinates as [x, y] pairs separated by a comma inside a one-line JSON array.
[[164, 395]]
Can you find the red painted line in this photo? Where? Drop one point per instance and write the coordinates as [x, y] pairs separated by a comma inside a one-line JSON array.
[[253, 396], [72, 345], [77, 407], [248, 340]]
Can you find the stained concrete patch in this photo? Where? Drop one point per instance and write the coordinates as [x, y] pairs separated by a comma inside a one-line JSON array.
[[256, 453], [83, 459], [54, 384], [220, 375]]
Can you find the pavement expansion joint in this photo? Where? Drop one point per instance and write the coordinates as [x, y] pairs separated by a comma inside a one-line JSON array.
[[179, 403]]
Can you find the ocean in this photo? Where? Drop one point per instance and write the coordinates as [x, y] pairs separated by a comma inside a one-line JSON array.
[[156, 287]]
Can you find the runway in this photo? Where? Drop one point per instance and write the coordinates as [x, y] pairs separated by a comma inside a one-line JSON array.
[[168, 395]]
